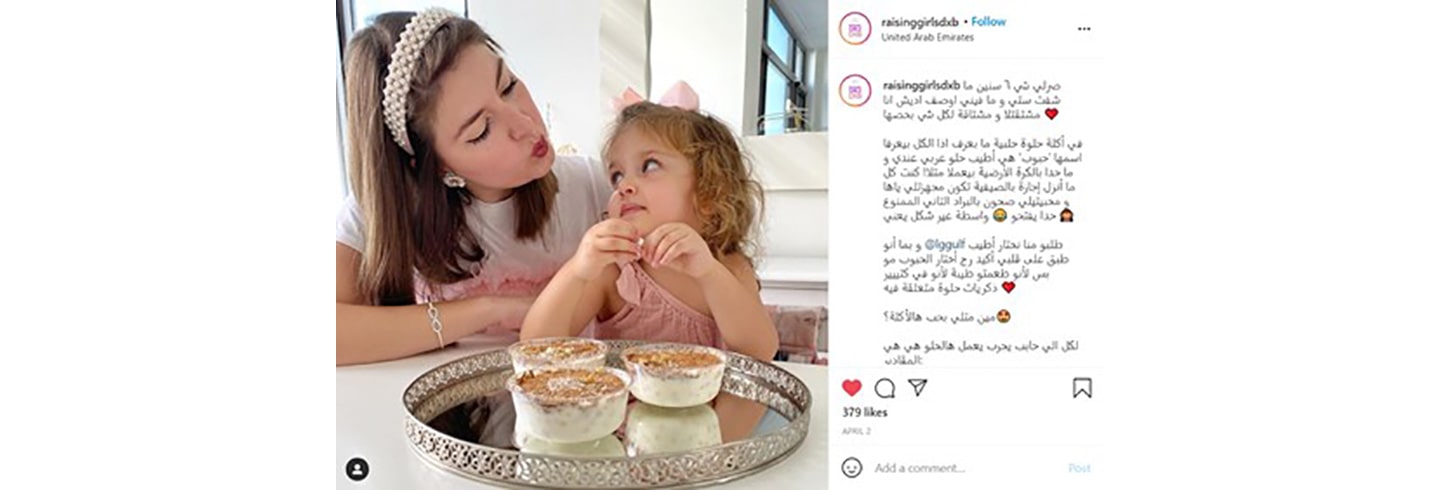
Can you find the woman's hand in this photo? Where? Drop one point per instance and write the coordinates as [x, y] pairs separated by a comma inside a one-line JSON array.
[[679, 247], [613, 241]]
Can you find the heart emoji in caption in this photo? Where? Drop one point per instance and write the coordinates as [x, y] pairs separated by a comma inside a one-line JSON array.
[[1052, 112], [1008, 285], [851, 386]]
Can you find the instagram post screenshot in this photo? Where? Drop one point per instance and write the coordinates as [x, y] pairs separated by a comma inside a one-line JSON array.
[[736, 244], [588, 245]]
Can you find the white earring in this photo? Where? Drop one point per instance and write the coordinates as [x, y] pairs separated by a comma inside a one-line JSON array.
[[452, 180]]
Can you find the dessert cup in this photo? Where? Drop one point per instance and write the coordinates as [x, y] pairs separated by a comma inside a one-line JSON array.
[[674, 375], [567, 404]]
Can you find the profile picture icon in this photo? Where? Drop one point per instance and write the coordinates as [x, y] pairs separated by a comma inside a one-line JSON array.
[[357, 469], [854, 28], [854, 90], [1003, 316], [1000, 215], [1066, 216]]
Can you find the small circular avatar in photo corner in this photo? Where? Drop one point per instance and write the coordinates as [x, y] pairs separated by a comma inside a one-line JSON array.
[[1066, 216], [357, 469], [1000, 215], [1003, 316]]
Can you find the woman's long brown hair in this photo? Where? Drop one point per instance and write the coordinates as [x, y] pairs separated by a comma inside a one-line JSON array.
[[414, 225]]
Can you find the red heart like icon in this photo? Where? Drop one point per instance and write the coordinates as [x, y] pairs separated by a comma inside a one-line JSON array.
[[1008, 285], [1052, 112], [851, 386]]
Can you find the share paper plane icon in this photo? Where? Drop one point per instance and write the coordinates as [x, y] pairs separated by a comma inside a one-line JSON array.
[[918, 384]]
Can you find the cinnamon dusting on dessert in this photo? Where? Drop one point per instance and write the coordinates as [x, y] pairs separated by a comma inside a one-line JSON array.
[[672, 358], [569, 384], [560, 349]]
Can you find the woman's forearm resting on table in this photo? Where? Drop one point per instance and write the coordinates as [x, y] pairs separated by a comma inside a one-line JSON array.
[[366, 333]]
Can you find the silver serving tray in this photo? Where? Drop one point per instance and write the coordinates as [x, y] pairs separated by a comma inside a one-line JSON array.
[[458, 381]]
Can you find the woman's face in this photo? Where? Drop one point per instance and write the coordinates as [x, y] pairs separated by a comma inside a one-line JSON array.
[[486, 127]]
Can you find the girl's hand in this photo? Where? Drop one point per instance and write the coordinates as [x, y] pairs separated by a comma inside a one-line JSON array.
[[613, 241], [679, 247]]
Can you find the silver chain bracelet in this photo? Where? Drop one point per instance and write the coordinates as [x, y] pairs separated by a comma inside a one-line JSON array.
[[435, 322]]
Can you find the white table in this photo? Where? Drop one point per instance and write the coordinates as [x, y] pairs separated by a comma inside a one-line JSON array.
[[369, 423]]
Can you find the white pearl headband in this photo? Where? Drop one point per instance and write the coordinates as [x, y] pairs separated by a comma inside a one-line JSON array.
[[402, 69]]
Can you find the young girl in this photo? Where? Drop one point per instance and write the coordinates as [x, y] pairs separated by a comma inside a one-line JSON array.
[[672, 261]]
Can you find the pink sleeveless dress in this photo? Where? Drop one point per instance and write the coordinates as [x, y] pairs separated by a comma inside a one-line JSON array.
[[651, 313]]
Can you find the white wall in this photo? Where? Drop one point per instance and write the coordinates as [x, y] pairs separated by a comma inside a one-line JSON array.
[[558, 56], [341, 137], [754, 32], [796, 224], [791, 161], [624, 46], [706, 45], [792, 168], [820, 91]]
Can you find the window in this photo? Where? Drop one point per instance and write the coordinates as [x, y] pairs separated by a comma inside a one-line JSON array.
[[353, 15], [783, 92]]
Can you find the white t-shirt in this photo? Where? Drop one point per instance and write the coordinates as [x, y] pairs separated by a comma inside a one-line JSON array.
[[511, 266]]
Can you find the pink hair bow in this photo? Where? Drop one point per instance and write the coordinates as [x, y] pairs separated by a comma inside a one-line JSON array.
[[679, 96]]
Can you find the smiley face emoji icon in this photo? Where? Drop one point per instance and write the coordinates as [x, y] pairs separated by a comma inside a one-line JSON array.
[[1066, 216], [851, 467], [1000, 215], [1003, 316]]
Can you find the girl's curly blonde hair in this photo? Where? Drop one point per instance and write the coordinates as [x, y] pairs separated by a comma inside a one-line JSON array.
[[726, 197]]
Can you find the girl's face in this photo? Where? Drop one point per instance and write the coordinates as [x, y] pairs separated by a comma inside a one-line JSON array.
[[652, 182], [486, 127]]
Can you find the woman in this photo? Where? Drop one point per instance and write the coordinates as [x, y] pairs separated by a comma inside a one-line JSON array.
[[461, 211]]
